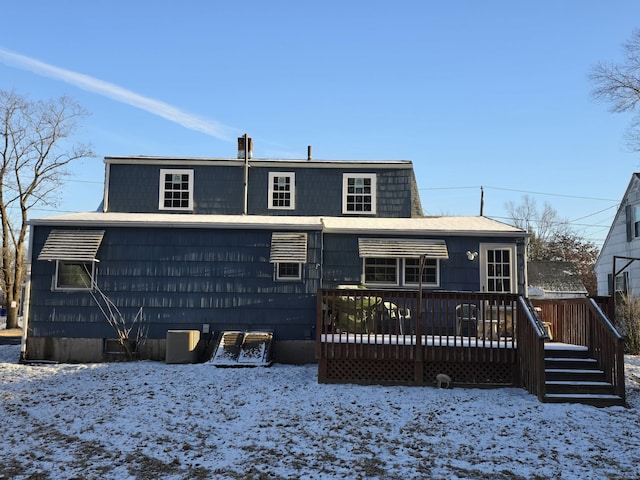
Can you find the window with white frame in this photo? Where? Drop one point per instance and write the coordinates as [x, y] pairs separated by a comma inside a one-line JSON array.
[[359, 193], [430, 272], [382, 271], [288, 254], [282, 194], [176, 189], [74, 275], [401, 271], [622, 282], [288, 271]]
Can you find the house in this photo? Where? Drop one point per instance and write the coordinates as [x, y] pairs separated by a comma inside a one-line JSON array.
[[554, 279], [211, 245], [618, 265]]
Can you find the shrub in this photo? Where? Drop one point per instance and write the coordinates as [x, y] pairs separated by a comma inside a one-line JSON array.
[[628, 321]]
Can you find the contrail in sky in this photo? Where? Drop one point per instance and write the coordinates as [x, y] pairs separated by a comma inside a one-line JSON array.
[[85, 82]]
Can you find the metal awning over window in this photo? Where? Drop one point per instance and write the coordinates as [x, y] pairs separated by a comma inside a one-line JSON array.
[[288, 247], [72, 245], [402, 248]]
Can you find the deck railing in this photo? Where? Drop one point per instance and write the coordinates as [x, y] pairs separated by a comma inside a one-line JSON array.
[[582, 321], [532, 336], [471, 336], [397, 336]]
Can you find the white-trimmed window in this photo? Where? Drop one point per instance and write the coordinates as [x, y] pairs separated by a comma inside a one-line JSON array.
[[359, 193], [381, 271], [498, 268], [636, 221], [430, 272], [622, 283], [74, 252], [176, 189], [74, 275], [396, 261], [288, 271], [288, 254], [401, 271], [282, 190]]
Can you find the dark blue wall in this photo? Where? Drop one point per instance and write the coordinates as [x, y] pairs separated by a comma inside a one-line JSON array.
[[319, 191], [342, 265], [182, 278], [135, 188], [219, 189]]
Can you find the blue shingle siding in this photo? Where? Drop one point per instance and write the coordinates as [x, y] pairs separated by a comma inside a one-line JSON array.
[[319, 191], [135, 188], [219, 189], [182, 278]]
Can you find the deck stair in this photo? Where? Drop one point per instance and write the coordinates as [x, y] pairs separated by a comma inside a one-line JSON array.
[[571, 376]]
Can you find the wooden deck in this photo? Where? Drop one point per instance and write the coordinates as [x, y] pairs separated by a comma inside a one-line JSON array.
[[389, 337]]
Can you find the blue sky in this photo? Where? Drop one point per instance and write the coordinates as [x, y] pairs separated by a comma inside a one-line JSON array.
[[475, 93]]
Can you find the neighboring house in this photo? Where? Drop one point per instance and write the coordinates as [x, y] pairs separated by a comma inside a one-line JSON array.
[[622, 247], [245, 244], [554, 279]]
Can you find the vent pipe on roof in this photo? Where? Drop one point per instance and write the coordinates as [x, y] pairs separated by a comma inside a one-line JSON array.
[[245, 147], [309, 152]]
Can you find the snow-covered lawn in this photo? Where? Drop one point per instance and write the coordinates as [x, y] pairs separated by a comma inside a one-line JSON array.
[[148, 420]]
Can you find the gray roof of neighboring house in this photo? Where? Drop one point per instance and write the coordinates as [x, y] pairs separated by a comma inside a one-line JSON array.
[[555, 276]]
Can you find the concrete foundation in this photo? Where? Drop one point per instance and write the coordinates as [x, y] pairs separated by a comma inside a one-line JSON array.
[[92, 350]]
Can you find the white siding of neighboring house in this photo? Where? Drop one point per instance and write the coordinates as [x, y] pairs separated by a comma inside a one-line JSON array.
[[617, 244]]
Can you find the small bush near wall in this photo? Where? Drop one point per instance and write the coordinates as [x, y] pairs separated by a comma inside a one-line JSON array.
[[628, 321]]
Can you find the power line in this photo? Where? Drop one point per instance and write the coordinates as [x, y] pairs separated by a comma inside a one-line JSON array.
[[522, 191]]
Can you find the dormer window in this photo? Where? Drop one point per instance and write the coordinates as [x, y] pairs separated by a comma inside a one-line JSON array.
[[359, 193], [282, 190], [176, 189]]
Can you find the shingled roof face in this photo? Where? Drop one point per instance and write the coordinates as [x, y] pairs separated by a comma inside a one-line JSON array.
[[555, 276]]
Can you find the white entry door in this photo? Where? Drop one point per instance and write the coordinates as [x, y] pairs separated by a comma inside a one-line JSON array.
[[498, 268]]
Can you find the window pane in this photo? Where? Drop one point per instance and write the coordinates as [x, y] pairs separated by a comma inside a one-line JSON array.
[[281, 187], [175, 190], [380, 270], [74, 275], [288, 271], [499, 270], [359, 194], [429, 271]]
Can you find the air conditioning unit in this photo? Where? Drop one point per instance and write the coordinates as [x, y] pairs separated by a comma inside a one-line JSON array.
[[182, 346]]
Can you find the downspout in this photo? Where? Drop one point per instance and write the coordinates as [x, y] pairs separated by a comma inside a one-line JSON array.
[[26, 301], [526, 267], [107, 175], [246, 174]]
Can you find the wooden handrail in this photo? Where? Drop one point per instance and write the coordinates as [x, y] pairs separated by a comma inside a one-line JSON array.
[[531, 338], [610, 355]]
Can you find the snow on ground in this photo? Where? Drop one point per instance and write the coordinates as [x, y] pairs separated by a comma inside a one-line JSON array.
[[147, 420]]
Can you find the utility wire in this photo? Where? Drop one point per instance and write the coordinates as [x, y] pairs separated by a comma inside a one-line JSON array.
[[521, 191]]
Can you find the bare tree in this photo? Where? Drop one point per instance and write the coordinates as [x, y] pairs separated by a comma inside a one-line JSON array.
[[543, 225], [552, 239], [35, 149], [130, 343], [619, 85]]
